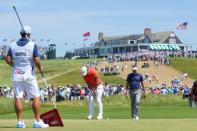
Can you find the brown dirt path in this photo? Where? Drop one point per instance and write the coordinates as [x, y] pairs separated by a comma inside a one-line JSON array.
[[165, 73]]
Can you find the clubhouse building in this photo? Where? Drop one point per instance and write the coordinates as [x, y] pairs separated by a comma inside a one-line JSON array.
[[158, 41]]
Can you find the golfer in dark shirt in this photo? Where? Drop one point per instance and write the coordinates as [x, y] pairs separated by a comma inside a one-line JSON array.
[[134, 84]]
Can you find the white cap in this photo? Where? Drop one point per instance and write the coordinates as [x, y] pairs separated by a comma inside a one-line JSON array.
[[134, 68], [26, 29], [84, 71]]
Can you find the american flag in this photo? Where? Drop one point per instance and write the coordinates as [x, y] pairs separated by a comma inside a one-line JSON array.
[[182, 26]]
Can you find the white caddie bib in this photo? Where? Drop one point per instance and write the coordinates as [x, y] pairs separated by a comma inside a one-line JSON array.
[[23, 61]]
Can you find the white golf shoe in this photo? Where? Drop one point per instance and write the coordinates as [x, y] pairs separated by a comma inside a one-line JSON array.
[[20, 124], [40, 124], [99, 117], [89, 117], [137, 118]]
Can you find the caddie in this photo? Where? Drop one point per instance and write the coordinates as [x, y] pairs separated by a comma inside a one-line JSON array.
[[23, 57]]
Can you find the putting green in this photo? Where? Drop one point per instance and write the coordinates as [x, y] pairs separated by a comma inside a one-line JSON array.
[[114, 125]]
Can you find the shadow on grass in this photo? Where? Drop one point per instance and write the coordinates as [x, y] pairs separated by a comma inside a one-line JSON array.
[[7, 127]]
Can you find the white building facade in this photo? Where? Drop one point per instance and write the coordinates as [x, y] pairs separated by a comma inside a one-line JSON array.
[[160, 41]]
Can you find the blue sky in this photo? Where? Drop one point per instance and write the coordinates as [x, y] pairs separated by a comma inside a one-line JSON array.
[[64, 21]]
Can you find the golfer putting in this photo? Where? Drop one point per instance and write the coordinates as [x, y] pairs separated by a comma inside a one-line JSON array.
[[134, 84], [23, 57], [94, 83]]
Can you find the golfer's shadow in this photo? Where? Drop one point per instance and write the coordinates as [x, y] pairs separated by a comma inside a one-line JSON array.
[[7, 127]]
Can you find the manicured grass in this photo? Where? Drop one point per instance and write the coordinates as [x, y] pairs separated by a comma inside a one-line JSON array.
[[114, 125], [51, 68], [55, 67], [118, 107], [74, 77], [113, 79], [186, 66], [117, 112]]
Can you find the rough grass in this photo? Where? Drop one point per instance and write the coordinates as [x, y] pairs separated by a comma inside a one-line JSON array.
[[186, 66], [7, 105], [5, 73]]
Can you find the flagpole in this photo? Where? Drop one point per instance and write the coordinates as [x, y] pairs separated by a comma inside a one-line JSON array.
[[65, 44], [86, 36], [90, 54], [84, 49]]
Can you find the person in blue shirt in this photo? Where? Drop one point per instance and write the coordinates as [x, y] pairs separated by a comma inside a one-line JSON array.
[[186, 92], [175, 90], [134, 83]]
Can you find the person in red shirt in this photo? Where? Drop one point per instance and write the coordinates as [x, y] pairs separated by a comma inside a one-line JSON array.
[[94, 83]]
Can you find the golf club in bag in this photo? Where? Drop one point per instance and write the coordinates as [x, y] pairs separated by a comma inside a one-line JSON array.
[[51, 117]]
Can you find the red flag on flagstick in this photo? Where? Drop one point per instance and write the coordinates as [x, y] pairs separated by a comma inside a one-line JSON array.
[[86, 34]]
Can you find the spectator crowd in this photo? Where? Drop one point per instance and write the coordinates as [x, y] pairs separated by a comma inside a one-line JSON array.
[[3, 50], [143, 55], [78, 92], [81, 92], [68, 92]]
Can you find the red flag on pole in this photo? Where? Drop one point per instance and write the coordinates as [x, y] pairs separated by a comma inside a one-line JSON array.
[[86, 34], [85, 39]]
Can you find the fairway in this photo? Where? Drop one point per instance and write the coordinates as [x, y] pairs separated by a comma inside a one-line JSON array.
[[114, 125]]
